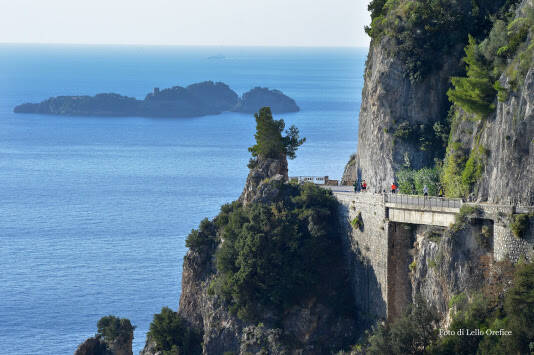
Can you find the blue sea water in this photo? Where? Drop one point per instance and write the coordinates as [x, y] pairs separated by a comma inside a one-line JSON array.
[[94, 211]]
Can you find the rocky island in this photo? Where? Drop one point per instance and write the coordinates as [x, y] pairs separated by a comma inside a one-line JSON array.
[[293, 268], [200, 99]]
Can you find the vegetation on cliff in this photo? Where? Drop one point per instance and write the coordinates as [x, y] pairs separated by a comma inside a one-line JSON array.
[[504, 50], [112, 328], [172, 335], [269, 140], [496, 308], [114, 336], [272, 254], [424, 30], [275, 255]]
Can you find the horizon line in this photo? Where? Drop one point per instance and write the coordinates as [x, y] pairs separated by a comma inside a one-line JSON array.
[[177, 45]]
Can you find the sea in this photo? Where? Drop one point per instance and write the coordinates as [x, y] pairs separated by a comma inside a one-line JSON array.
[[94, 211]]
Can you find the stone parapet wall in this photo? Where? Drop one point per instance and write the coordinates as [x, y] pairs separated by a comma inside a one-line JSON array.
[[366, 250]]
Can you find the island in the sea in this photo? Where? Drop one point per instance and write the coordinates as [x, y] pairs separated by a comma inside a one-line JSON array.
[[200, 99]]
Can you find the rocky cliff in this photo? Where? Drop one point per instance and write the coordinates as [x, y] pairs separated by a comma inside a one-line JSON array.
[[405, 120], [391, 105]]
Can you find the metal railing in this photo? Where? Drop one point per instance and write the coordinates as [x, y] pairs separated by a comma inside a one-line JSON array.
[[422, 202]]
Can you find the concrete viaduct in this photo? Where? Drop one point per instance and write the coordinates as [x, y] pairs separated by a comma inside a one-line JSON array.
[[381, 247]]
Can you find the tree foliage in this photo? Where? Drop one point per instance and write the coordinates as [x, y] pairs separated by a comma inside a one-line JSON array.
[[269, 140], [474, 93], [489, 311], [172, 334], [112, 328], [275, 254], [412, 182], [426, 30], [413, 333]]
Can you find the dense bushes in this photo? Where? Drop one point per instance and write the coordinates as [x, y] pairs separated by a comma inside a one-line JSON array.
[[505, 49], [172, 335], [424, 30], [412, 182], [520, 223], [274, 254], [113, 328], [489, 311], [412, 333], [430, 137], [461, 173], [203, 237]]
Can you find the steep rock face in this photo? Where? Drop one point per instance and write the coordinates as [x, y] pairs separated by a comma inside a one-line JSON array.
[[264, 169], [507, 138], [503, 139], [389, 102], [448, 264]]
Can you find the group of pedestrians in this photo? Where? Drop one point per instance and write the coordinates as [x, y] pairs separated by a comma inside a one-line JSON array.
[[363, 187]]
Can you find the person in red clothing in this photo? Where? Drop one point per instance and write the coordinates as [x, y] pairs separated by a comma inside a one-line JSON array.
[[364, 185], [393, 188]]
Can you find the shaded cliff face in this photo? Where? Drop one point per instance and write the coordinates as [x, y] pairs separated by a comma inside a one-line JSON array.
[[393, 109]]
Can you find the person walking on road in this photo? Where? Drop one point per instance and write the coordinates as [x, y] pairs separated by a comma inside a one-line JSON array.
[[355, 185], [364, 185], [425, 190], [393, 188]]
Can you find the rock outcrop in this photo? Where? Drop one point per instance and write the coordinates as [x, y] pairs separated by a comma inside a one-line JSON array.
[[97, 345], [395, 107], [264, 170]]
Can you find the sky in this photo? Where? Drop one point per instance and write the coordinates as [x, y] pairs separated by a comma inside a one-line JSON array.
[[193, 22]]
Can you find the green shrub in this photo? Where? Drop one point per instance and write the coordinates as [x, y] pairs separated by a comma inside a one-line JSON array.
[[514, 312], [412, 333], [172, 335], [204, 237], [474, 167], [412, 266], [428, 177], [462, 218], [432, 264], [112, 328], [405, 182], [274, 254], [520, 224], [412, 182], [357, 222]]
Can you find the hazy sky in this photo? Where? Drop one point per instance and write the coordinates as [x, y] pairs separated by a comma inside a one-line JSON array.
[[180, 22]]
